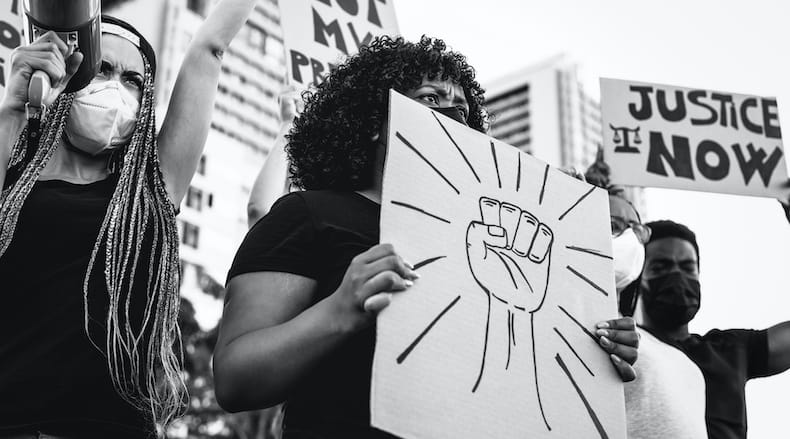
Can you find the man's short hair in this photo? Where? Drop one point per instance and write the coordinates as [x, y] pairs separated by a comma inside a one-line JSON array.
[[670, 229]]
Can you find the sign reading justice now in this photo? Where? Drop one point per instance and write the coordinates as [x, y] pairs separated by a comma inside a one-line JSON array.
[[319, 33], [681, 138]]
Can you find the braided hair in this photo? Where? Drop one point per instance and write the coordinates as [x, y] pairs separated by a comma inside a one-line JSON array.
[[141, 355]]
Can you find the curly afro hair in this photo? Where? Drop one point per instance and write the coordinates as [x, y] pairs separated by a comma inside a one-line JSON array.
[[330, 146]]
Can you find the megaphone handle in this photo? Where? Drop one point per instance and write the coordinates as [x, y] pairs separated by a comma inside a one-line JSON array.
[[38, 89]]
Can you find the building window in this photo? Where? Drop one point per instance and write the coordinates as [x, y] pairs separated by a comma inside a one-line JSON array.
[[210, 201], [202, 165], [195, 198], [190, 235]]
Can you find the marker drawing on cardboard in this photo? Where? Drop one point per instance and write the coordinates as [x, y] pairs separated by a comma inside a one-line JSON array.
[[494, 339], [680, 138]]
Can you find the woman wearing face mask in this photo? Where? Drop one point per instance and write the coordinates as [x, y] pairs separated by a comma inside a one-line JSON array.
[[667, 398], [88, 239], [309, 278]]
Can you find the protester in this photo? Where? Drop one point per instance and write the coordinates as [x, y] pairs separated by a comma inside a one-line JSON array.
[[655, 409], [670, 298], [309, 278], [88, 239]]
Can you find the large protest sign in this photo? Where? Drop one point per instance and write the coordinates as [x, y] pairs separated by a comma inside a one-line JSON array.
[[318, 34], [495, 338], [673, 137], [10, 36]]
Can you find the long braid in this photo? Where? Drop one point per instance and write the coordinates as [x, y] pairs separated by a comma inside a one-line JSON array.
[[12, 199], [140, 209]]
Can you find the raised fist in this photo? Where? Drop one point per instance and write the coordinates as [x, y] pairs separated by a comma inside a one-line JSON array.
[[509, 254]]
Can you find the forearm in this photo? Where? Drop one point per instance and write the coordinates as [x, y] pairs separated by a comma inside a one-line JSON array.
[[271, 183], [11, 124], [259, 369]]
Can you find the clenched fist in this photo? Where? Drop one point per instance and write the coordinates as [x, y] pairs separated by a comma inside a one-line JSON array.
[[509, 254]]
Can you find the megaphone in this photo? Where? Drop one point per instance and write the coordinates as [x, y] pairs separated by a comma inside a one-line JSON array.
[[78, 24]]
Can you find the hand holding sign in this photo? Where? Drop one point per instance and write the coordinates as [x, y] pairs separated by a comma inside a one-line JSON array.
[[510, 244]]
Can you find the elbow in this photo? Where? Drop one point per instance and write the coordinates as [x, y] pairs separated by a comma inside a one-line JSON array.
[[233, 391]]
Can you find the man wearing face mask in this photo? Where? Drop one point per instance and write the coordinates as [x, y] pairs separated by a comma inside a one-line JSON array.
[[670, 298]]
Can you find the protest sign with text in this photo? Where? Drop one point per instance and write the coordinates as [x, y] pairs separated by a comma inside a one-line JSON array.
[[318, 34], [665, 136], [495, 339], [10, 35]]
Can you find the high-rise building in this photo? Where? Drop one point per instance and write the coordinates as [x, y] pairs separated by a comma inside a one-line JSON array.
[[545, 111], [213, 217]]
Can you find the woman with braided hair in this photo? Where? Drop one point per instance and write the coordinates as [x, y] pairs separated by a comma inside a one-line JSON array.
[[88, 240]]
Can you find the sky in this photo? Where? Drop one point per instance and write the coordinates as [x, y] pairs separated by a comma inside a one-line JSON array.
[[733, 46]]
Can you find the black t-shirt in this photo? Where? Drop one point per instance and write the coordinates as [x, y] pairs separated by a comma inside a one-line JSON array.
[[316, 234], [52, 378], [727, 360]]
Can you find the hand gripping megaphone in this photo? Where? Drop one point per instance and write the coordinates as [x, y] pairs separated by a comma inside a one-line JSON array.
[[78, 24]]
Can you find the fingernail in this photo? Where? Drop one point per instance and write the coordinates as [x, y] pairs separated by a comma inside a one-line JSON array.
[[602, 332], [414, 274], [408, 283], [615, 358], [602, 325], [409, 264], [605, 342], [496, 231]]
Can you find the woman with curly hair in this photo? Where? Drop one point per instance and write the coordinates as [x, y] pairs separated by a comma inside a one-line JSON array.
[[303, 291], [310, 277], [88, 240]]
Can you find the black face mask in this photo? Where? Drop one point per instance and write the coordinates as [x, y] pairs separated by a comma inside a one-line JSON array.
[[671, 300], [453, 113]]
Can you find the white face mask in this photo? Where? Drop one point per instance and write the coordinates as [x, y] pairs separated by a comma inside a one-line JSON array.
[[102, 117], [629, 257]]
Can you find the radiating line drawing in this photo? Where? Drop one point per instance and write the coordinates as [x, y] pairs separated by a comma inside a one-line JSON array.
[[496, 165], [543, 186], [425, 331], [587, 405], [586, 279], [422, 211], [435, 169], [588, 251], [586, 331], [577, 203], [425, 262], [574, 351], [458, 148]]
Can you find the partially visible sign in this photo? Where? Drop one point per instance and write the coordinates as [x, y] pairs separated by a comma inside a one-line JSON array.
[[681, 138], [10, 36], [319, 33]]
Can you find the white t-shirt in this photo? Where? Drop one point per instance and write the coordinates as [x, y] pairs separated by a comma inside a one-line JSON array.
[[667, 399]]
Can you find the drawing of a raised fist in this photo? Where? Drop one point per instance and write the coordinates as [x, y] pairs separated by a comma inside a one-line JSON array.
[[509, 254]]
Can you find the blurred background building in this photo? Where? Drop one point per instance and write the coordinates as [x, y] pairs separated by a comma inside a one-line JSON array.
[[544, 110], [213, 218]]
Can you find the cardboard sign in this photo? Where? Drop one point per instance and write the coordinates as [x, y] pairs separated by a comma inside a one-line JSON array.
[[495, 338], [318, 34], [680, 138], [10, 36]]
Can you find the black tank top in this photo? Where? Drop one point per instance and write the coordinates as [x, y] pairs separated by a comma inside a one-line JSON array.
[[52, 379]]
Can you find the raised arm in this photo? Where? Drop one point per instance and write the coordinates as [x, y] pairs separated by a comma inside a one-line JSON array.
[[272, 181], [779, 348], [185, 128]]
